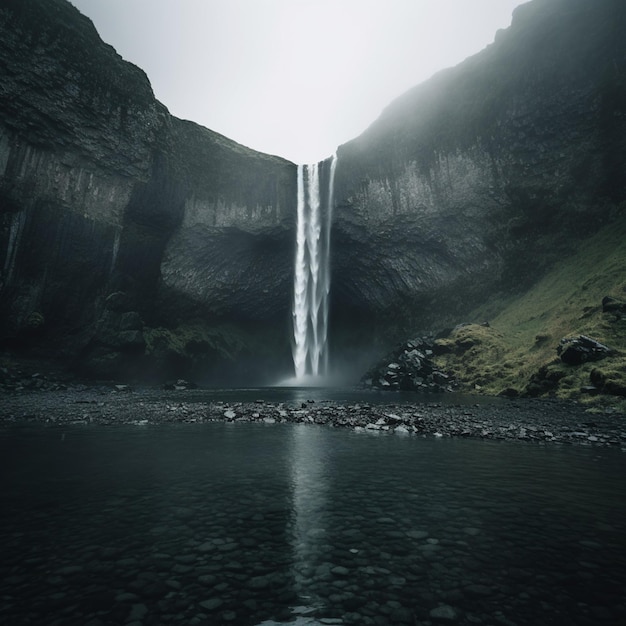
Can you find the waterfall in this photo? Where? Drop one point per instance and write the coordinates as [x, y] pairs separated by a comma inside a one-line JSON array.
[[312, 272], [326, 264]]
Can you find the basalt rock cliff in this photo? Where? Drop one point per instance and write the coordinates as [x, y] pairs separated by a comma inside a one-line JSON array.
[[480, 179], [132, 241]]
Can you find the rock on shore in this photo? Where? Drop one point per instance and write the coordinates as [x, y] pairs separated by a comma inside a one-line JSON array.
[[524, 420]]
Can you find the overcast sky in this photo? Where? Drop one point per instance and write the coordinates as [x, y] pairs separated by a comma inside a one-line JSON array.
[[294, 78]]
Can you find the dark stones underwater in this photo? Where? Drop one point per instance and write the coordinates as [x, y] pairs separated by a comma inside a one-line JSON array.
[[260, 523]]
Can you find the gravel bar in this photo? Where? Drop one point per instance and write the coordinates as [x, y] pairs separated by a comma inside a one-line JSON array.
[[526, 420]]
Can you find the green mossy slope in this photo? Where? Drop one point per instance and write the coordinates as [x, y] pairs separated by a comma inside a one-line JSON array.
[[517, 350]]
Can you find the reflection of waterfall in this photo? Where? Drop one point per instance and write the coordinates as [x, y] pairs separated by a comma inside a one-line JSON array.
[[312, 272], [309, 484]]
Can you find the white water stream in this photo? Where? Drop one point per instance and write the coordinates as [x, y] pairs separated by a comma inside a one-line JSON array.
[[312, 273]]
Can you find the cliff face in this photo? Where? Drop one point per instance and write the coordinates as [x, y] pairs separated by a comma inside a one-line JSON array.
[[103, 192], [479, 179], [133, 241]]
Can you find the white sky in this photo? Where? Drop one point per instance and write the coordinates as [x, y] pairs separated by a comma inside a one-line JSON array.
[[294, 78]]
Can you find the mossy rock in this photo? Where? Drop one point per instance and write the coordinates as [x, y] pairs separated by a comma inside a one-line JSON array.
[[195, 341], [610, 379], [519, 349], [473, 354], [223, 353]]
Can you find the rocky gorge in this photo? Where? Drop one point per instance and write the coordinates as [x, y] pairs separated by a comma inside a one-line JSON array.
[[138, 245]]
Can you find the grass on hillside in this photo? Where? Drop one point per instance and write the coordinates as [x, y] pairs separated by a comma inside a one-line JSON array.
[[522, 338]]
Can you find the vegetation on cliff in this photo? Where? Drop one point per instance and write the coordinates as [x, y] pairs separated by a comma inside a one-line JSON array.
[[516, 353], [481, 179]]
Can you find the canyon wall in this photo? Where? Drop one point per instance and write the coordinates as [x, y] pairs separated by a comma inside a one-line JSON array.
[[133, 243], [125, 231], [476, 181]]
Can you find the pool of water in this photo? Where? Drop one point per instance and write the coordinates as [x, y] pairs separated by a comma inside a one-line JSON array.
[[257, 524]]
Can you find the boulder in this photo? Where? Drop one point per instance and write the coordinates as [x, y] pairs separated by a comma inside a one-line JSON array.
[[578, 350], [613, 305], [612, 383], [179, 385], [409, 368], [544, 380]]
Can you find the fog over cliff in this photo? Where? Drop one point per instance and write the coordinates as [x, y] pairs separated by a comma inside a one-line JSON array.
[[133, 243]]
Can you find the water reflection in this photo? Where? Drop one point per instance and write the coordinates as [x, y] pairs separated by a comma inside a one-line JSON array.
[[309, 484], [245, 523], [296, 394]]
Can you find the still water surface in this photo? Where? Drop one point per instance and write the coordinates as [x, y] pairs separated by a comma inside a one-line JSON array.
[[255, 524], [343, 395]]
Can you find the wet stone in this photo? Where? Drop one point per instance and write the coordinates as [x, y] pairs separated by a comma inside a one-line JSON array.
[[185, 558], [478, 590], [211, 604], [69, 570], [126, 597], [401, 615], [259, 582], [417, 534], [137, 612], [207, 546], [207, 579], [444, 613]]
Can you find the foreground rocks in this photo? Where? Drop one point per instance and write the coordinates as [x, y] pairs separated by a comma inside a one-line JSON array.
[[527, 420], [17, 380], [410, 368], [578, 350]]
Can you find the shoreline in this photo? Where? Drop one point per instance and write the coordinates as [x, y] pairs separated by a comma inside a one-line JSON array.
[[544, 421]]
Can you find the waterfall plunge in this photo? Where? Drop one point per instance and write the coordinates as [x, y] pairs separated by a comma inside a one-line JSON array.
[[312, 273]]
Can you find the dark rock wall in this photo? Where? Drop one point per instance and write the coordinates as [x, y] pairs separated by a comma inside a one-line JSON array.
[[469, 185], [479, 179], [102, 191]]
